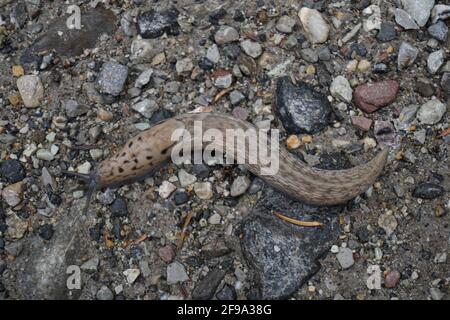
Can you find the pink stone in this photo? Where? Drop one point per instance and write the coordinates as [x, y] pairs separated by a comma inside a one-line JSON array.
[[370, 97], [167, 253], [362, 123], [392, 279]]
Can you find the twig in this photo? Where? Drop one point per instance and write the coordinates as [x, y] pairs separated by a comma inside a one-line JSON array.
[[298, 222]]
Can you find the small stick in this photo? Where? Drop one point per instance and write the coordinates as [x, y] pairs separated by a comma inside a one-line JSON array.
[[298, 222], [182, 237]]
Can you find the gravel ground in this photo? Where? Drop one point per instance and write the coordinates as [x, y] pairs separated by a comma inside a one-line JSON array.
[[340, 79]]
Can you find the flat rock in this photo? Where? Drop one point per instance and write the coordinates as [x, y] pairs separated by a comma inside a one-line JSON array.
[[427, 190], [206, 287], [72, 42], [440, 12], [281, 272], [340, 88], [372, 96], [12, 171], [226, 34], [405, 20], [419, 10], [435, 61], [439, 31], [300, 108]]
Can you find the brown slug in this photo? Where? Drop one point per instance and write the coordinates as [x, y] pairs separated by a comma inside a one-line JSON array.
[[152, 147]]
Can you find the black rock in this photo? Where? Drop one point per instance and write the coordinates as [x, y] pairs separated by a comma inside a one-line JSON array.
[[387, 32], [180, 198], [152, 24], [2, 268], [12, 171], [160, 115], [227, 293], [216, 15], [359, 49], [205, 288], [439, 31], [426, 190], [2, 244], [119, 207], [300, 108], [281, 272], [46, 231], [116, 230], [445, 83], [95, 232], [2, 287], [202, 170], [54, 198], [205, 64], [239, 16]]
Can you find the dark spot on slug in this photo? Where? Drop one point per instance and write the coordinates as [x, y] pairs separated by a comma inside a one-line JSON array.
[[139, 138], [136, 160], [149, 157], [126, 161], [121, 169], [124, 154], [165, 150], [134, 168], [130, 144]]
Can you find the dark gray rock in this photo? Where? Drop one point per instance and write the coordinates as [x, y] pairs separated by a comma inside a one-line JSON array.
[[284, 256], [205, 288], [445, 83], [72, 42], [427, 190], [46, 231], [180, 198], [152, 24], [19, 15], [424, 87], [300, 108], [12, 171], [439, 31], [387, 32], [227, 293], [119, 207]]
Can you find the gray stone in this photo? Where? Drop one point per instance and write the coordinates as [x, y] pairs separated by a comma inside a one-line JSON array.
[[31, 90], [310, 55], [405, 20], [184, 66], [91, 265], [73, 109], [143, 50], [436, 294], [431, 112], [226, 34], [445, 83], [44, 154], [236, 97], [419, 10], [185, 178], [104, 294], [112, 78], [388, 223], [340, 88], [285, 24], [239, 186], [435, 61], [153, 24], [440, 12], [251, 48], [345, 258], [407, 54], [146, 107], [144, 78], [176, 273], [213, 54], [439, 31]]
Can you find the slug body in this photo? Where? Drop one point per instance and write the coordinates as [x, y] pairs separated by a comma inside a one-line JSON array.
[[150, 148]]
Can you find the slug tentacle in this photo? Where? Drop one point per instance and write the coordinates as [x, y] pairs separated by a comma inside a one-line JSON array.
[[150, 148]]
